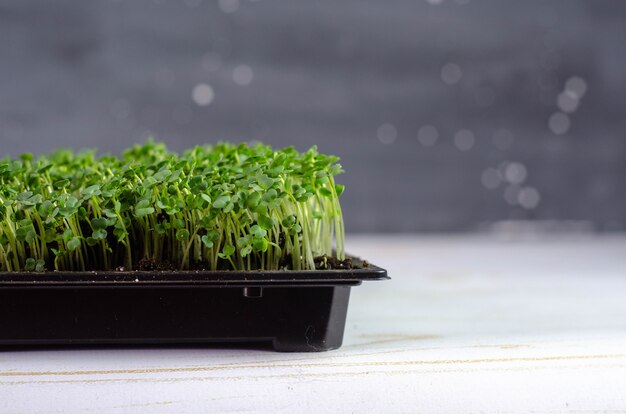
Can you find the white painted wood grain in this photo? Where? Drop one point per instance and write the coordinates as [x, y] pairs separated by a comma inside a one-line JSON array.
[[468, 324]]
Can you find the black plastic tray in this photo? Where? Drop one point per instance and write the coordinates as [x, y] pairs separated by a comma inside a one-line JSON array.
[[294, 311]]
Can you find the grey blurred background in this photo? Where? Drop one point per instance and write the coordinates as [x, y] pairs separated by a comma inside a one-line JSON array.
[[449, 115]]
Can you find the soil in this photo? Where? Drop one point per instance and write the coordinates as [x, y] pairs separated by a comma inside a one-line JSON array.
[[332, 263], [321, 263], [154, 264]]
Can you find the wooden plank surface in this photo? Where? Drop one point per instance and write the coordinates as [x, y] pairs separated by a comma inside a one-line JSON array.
[[468, 324]]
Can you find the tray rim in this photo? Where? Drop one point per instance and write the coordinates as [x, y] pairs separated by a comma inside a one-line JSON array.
[[195, 278]]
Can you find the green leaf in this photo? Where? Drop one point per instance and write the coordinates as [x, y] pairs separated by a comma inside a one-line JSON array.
[[253, 201], [279, 160], [194, 202], [305, 197], [44, 169], [61, 183], [99, 234], [27, 156], [339, 189], [257, 231], [109, 214], [69, 206], [228, 251], [265, 222], [141, 212], [207, 241], [221, 201], [82, 212], [175, 176], [120, 233], [289, 221], [264, 181], [67, 235], [326, 192], [26, 231], [50, 236], [52, 215], [149, 182], [24, 196], [162, 175], [73, 244], [229, 207], [40, 266], [143, 208], [260, 245], [243, 241], [270, 195], [91, 191], [206, 198], [245, 251], [197, 184], [335, 169], [298, 191], [182, 234], [212, 235], [33, 200], [57, 252], [99, 223], [143, 203], [30, 264]]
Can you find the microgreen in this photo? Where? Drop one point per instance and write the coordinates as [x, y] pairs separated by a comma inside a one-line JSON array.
[[215, 207]]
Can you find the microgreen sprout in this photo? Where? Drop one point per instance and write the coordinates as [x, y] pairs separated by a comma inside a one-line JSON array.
[[219, 207]]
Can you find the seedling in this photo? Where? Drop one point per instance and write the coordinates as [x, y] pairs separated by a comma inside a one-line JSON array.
[[221, 207]]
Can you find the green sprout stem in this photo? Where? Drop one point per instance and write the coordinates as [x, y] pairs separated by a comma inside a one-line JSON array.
[[219, 207]]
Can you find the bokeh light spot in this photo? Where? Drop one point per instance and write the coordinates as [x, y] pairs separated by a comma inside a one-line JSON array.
[[464, 140], [490, 178], [576, 85], [528, 198], [228, 6], [243, 75], [559, 123], [427, 135], [451, 73], [202, 94], [387, 133], [567, 101], [515, 172]]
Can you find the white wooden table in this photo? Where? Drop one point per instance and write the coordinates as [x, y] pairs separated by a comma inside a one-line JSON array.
[[469, 324]]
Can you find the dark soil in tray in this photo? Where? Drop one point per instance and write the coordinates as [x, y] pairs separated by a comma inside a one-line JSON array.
[[321, 263]]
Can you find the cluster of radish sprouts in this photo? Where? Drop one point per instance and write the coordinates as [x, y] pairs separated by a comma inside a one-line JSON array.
[[238, 207]]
